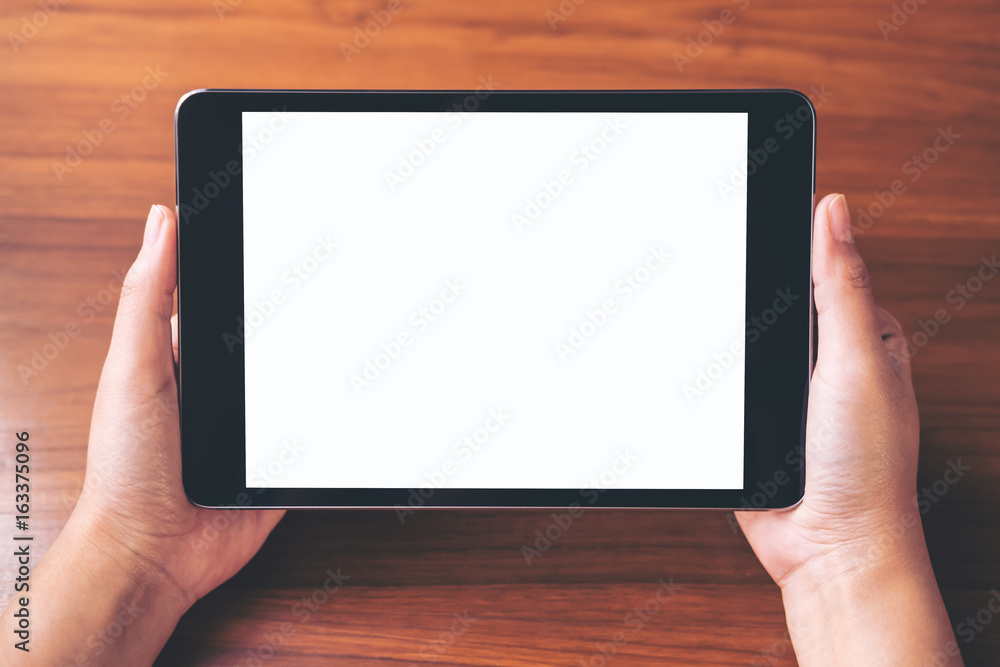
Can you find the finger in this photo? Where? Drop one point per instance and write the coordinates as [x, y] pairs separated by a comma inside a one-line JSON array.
[[140, 360], [173, 335], [849, 330]]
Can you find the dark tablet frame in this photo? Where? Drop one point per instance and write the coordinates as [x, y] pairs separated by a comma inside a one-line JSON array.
[[781, 168]]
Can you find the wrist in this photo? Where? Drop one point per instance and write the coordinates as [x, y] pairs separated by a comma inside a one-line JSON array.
[[870, 604], [99, 551], [882, 550], [94, 602]]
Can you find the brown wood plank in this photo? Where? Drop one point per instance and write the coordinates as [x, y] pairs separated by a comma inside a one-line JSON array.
[[63, 242]]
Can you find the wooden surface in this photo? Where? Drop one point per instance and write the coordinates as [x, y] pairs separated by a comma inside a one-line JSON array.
[[63, 241]]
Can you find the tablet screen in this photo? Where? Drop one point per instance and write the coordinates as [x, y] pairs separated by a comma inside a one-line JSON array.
[[494, 300]]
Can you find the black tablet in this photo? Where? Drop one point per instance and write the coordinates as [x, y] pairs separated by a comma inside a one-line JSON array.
[[493, 298]]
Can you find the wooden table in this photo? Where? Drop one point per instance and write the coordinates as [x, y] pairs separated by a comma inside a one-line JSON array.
[[883, 89]]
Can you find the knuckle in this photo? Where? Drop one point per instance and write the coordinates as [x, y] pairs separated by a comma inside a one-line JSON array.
[[856, 273], [132, 284]]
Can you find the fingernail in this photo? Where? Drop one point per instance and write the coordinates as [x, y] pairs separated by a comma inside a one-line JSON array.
[[840, 219], [154, 224]]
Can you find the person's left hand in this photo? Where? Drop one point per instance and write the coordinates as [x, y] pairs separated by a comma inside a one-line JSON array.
[[135, 554], [133, 503]]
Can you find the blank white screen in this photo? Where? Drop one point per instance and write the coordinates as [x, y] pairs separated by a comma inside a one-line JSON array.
[[613, 412]]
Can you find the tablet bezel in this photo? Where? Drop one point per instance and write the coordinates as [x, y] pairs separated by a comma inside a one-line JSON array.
[[781, 186]]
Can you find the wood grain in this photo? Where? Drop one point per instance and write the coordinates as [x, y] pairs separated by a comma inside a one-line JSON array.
[[65, 237]]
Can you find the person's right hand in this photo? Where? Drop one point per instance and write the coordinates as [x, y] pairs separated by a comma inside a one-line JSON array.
[[851, 558]]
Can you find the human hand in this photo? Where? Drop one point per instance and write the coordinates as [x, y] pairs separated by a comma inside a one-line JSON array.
[[133, 496], [134, 554], [856, 536]]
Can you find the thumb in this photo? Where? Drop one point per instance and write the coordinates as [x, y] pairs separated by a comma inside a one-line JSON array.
[[140, 361], [850, 340]]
